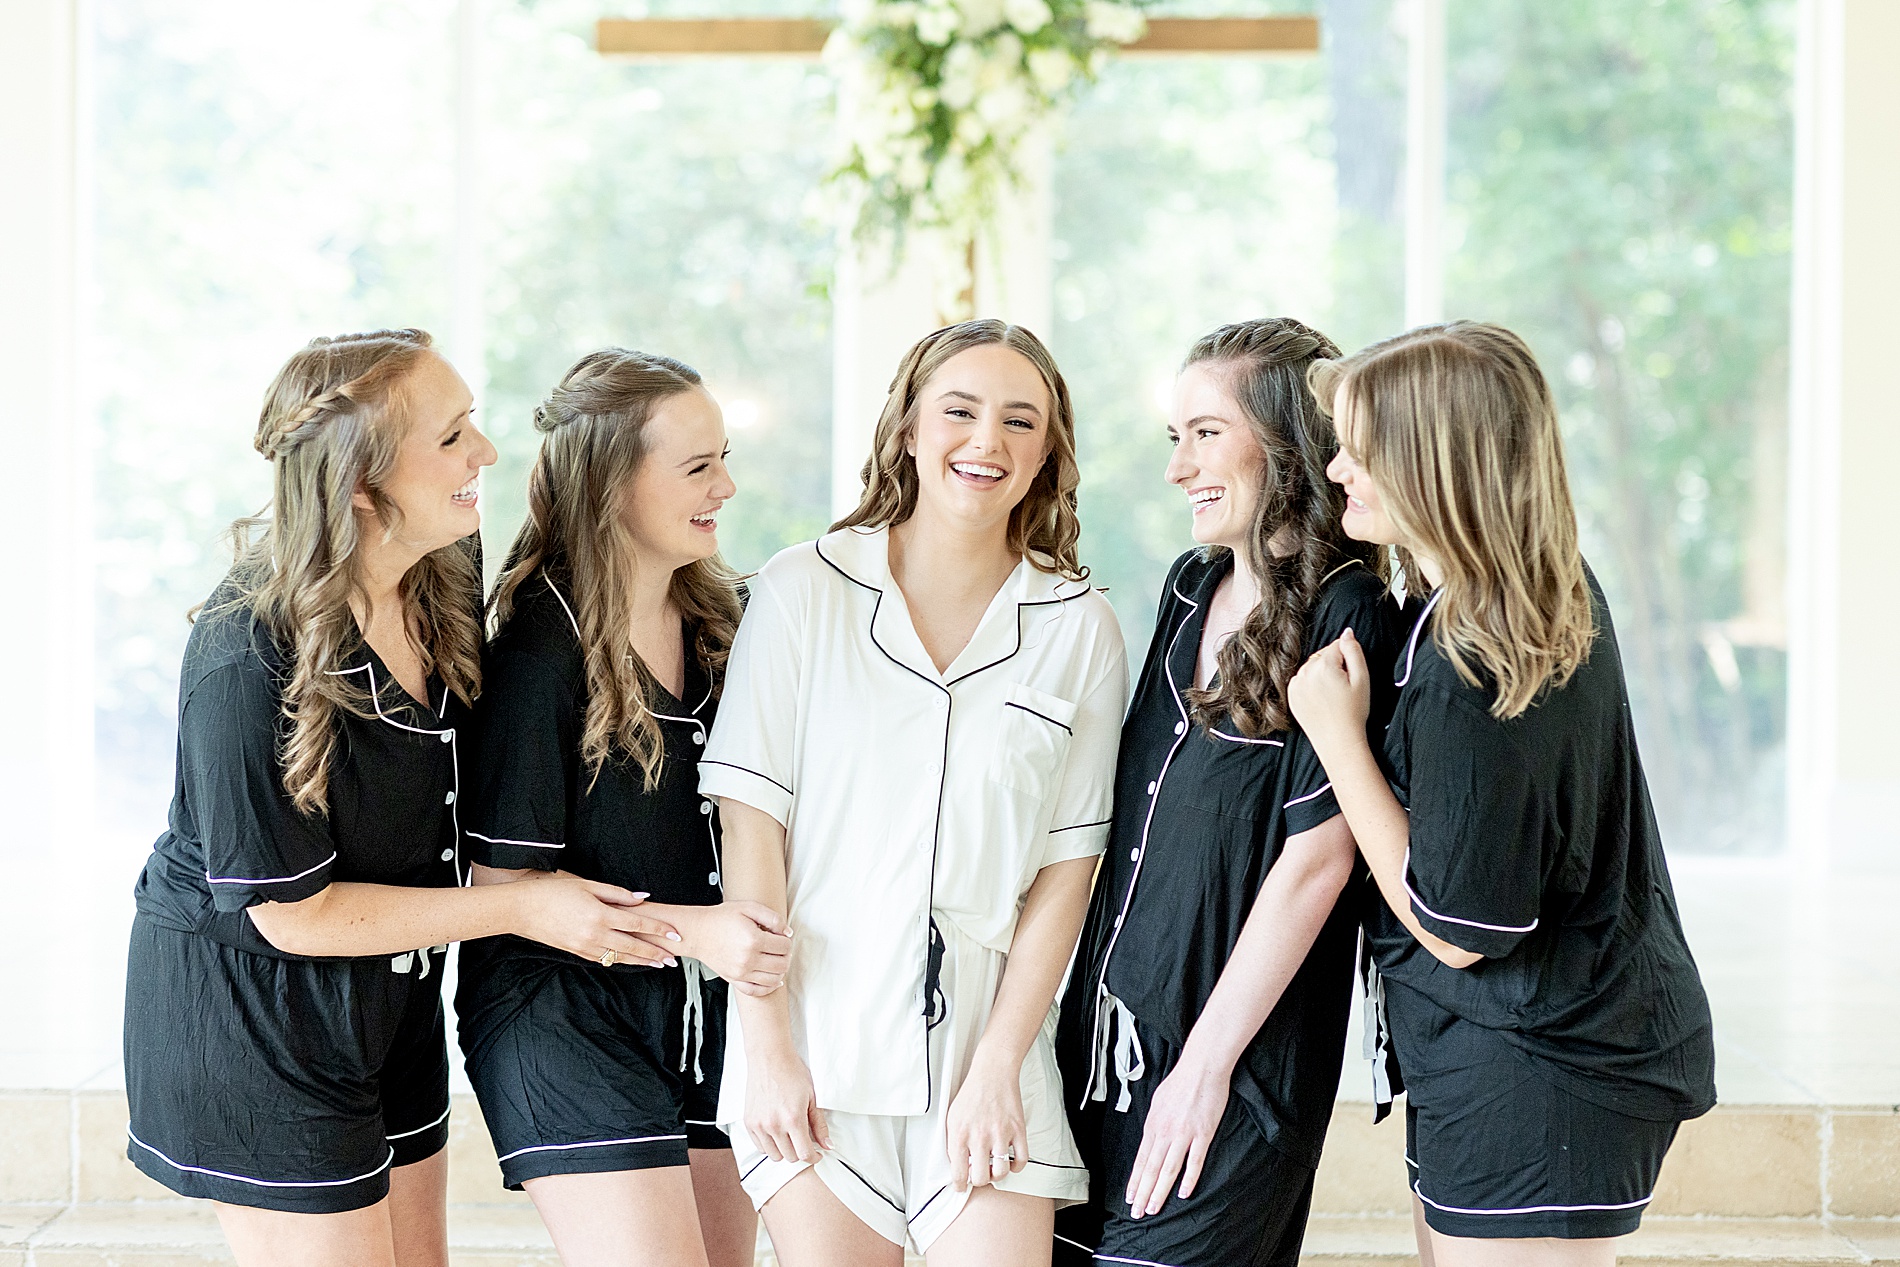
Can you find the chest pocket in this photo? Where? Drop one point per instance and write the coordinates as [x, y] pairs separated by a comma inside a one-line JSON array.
[[1031, 741]]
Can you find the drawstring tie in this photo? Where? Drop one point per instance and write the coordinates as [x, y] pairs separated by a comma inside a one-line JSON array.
[[936, 1006], [1375, 1042], [403, 963], [1115, 1027], [693, 1019]]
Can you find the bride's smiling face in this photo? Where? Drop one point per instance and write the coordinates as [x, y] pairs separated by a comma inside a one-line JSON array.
[[982, 433]]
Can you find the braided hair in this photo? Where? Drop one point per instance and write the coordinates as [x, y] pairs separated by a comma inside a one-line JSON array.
[[594, 438], [1267, 361], [332, 423]]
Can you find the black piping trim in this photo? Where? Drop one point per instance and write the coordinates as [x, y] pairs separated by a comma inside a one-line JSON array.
[[867, 1183], [1052, 1165], [926, 1205], [754, 1166], [1033, 713], [1079, 826], [768, 778], [943, 774]]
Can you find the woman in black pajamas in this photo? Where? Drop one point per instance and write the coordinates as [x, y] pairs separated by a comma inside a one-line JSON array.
[[614, 616], [1201, 1034], [284, 1051], [1548, 1021]]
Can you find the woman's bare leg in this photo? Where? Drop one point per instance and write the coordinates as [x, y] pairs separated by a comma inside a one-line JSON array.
[[623, 1218], [273, 1238], [726, 1219], [419, 1211], [1435, 1249], [812, 1228], [998, 1229]]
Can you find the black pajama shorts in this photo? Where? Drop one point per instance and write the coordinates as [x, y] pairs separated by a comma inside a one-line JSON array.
[[1497, 1147], [283, 1084], [1249, 1208], [582, 1069]]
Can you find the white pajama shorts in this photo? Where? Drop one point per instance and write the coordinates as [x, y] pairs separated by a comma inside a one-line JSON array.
[[894, 1173]]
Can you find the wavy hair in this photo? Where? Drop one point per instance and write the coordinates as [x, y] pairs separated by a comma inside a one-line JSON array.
[[1266, 363], [594, 438], [1456, 425], [1043, 527], [332, 423]]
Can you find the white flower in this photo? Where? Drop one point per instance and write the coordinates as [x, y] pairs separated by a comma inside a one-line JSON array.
[[1051, 68], [937, 23], [1119, 23], [962, 76], [1005, 108], [1028, 16], [1005, 60], [980, 17], [970, 131], [898, 14]]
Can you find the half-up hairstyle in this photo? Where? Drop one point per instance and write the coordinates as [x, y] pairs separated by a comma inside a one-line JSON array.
[[332, 423], [1456, 425], [1044, 527], [1265, 362], [594, 437]]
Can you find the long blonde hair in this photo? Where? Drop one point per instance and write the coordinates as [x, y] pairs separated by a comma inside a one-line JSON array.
[[594, 439], [1265, 363], [332, 423], [1456, 425], [1043, 528]]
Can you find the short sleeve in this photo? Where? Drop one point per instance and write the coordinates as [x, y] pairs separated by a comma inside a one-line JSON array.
[[1474, 870], [1360, 602], [1085, 800], [750, 753], [526, 742], [258, 846]]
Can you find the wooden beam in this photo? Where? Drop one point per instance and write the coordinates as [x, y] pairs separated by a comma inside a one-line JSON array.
[[805, 37]]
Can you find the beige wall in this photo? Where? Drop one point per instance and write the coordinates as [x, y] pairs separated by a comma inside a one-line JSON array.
[[1844, 602]]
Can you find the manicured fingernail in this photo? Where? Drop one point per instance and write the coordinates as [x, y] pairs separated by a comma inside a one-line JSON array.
[[643, 896], [672, 936], [672, 962]]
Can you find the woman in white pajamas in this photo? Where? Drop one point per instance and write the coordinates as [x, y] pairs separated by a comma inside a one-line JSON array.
[[914, 758]]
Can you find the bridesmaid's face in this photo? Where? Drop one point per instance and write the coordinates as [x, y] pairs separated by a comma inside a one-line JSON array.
[[1216, 462], [1365, 518]]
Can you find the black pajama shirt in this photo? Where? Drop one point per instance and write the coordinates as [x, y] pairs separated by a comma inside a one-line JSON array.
[[581, 1068], [1546, 1081], [267, 1079], [1201, 815]]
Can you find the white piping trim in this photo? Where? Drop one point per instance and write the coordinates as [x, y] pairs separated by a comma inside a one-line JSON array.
[[598, 1143], [1139, 1262], [431, 1126], [1527, 1209], [503, 840], [282, 879], [1405, 878], [1221, 734], [1300, 800], [1411, 644], [564, 607], [264, 1183], [455, 759]]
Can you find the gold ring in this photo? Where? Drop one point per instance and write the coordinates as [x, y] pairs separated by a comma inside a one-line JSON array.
[[606, 958]]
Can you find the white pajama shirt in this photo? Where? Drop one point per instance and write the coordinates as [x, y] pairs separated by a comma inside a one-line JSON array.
[[912, 799]]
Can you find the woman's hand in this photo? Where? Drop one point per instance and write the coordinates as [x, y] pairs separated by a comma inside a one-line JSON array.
[[590, 919], [987, 1137], [1331, 695], [747, 943], [1182, 1121], [781, 1108]]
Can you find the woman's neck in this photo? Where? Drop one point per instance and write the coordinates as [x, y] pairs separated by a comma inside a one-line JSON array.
[[381, 567], [652, 593], [950, 556], [1428, 567]]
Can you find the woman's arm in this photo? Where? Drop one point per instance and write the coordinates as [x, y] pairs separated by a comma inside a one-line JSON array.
[[1295, 900], [1329, 696], [987, 1134], [781, 1106], [744, 942], [568, 913]]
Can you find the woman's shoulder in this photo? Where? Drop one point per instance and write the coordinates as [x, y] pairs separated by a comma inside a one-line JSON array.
[[542, 628]]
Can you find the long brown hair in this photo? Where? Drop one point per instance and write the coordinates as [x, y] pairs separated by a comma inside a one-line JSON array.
[[594, 439], [1266, 362], [1043, 528], [332, 423], [1456, 425]]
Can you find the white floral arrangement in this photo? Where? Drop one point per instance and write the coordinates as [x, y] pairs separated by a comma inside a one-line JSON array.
[[937, 96]]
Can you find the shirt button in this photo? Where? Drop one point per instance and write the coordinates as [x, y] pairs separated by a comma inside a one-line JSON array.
[[1134, 855], [713, 879], [1151, 789], [1180, 728], [448, 855], [705, 807], [699, 736], [449, 799], [448, 736]]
